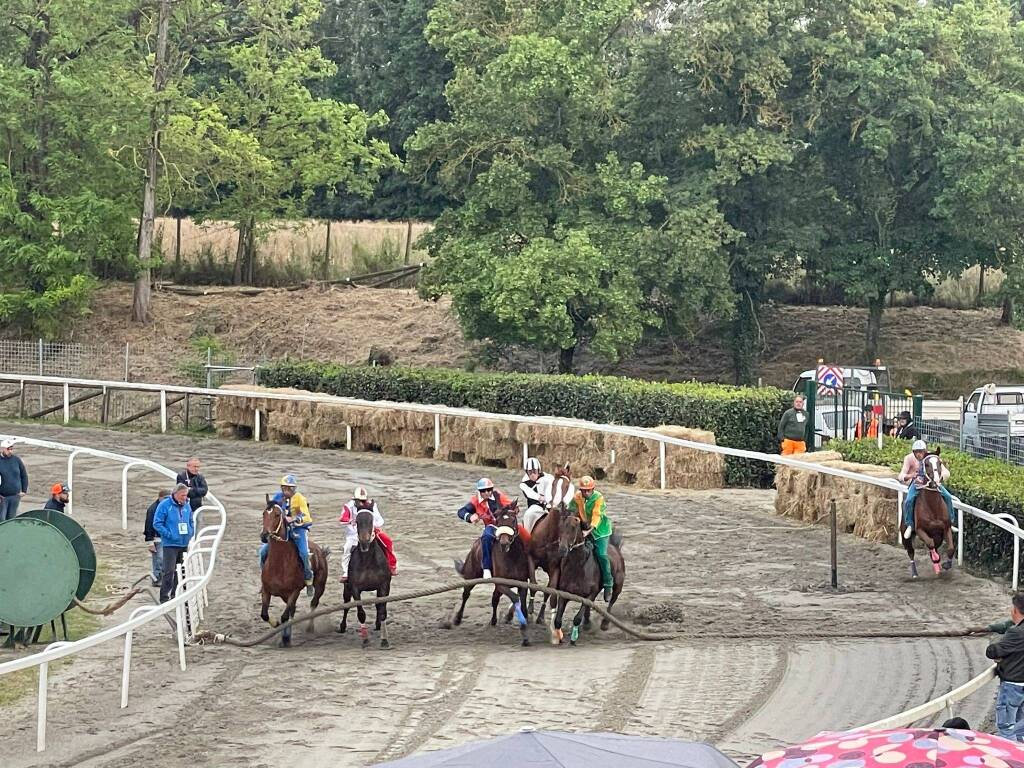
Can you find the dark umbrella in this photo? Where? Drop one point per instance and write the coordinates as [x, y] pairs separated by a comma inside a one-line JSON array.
[[551, 749]]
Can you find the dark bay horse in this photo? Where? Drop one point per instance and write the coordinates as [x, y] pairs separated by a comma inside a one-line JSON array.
[[931, 519], [580, 574], [543, 548], [282, 573], [510, 561], [368, 571]]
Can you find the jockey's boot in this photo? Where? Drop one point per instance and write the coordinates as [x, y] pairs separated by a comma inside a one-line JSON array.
[[908, 533], [309, 587], [487, 573], [607, 594]]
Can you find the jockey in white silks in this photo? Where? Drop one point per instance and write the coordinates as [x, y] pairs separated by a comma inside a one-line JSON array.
[[361, 500], [540, 490]]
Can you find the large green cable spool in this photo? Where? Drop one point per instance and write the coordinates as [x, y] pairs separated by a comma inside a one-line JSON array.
[[80, 541], [39, 572]]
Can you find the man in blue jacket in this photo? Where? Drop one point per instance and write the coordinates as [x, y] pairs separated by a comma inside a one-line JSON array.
[[13, 480], [173, 523]]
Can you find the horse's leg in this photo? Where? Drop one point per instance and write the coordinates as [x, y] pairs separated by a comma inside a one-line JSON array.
[[556, 621], [364, 631], [346, 596], [495, 599], [950, 549], [616, 591], [586, 615], [265, 606], [458, 613], [543, 605], [523, 622], [576, 621], [932, 545], [289, 611], [382, 617]]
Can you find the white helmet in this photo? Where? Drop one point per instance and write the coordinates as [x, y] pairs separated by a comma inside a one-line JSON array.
[[919, 445], [360, 494], [532, 465]]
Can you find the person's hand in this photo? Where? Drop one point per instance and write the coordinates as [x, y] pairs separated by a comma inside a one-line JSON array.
[[289, 519], [22, 493], [474, 518], [152, 547]]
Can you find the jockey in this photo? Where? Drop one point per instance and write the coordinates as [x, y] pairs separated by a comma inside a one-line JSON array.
[[361, 500], [913, 473], [481, 508], [536, 487], [296, 514], [589, 505]]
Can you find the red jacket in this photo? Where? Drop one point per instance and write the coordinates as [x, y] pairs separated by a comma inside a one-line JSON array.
[[482, 508]]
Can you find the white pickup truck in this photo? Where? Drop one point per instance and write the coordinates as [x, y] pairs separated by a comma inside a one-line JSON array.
[[991, 411]]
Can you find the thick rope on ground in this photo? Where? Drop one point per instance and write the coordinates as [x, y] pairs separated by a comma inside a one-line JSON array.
[[207, 636], [111, 607]]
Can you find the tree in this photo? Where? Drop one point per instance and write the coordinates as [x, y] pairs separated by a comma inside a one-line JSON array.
[[555, 239]]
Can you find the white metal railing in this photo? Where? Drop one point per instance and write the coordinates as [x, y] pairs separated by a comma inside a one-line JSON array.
[[187, 604], [1003, 521], [942, 703]]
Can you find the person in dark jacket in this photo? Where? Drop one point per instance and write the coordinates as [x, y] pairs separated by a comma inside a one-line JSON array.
[[793, 428], [153, 540], [197, 487], [59, 495], [13, 480], [172, 522], [1008, 652], [905, 429]]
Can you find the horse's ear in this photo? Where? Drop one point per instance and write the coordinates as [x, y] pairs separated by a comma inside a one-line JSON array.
[[267, 497], [938, 450], [566, 466]]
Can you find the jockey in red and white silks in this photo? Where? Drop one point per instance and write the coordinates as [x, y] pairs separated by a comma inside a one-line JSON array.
[[361, 500]]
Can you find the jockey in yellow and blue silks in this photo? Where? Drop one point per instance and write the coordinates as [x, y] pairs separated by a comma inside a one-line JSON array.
[[912, 472], [299, 519]]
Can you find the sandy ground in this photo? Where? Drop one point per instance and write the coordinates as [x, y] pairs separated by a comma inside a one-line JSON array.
[[708, 565]]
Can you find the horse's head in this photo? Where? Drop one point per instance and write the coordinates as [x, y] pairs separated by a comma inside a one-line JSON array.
[[273, 520], [506, 523], [570, 531], [562, 471], [364, 529], [933, 468]]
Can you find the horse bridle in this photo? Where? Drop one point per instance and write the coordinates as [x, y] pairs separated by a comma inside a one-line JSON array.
[[275, 534]]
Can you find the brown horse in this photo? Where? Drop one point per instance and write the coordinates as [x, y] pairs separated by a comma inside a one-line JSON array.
[[509, 561], [368, 571], [580, 574], [282, 573], [931, 519], [543, 548]]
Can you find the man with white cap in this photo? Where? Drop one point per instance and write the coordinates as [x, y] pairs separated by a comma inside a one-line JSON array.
[[13, 480], [536, 488], [361, 500]]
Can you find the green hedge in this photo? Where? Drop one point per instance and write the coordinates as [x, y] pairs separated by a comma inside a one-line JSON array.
[[739, 417], [989, 484]]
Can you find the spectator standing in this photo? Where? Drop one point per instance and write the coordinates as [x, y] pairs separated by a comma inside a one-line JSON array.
[[172, 522], [905, 429], [197, 488], [13, 480], [59, 495], [793, 428], [1008, 652], [867, 427], [153, 540]]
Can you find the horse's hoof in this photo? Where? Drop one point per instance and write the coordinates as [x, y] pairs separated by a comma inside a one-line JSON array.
[[526, 642], [366, 642], [937, 568], [385, 645], [948, 565], [446, 624], [494, 622], [341, 629], [556, 637], [572, 642], [574, 635], [605, 624], [274, 623]]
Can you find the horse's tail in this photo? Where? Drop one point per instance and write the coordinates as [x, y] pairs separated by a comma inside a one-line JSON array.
[[459, 565], [616, 540]]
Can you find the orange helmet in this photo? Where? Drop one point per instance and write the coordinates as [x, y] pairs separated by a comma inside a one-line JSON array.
[[586, 483]]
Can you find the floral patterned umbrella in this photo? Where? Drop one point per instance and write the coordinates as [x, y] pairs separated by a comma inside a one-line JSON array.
[[902, 748]]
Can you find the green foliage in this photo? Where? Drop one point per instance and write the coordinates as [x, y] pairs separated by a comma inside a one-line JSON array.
[[739, 417], [386, 255], [204, 345], [988, 484]]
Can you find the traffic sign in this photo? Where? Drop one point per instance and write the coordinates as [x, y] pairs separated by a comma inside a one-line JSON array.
[[830, 380]]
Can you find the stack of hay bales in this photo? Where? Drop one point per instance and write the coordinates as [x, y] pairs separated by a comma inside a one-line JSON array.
[[482, 441], [861, 509]]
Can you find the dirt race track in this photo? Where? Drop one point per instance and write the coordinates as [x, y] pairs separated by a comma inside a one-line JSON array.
[[709, 565]]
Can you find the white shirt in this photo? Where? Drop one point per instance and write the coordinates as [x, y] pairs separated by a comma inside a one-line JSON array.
[[348, 518]]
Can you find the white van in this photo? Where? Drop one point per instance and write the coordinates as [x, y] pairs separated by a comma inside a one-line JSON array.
[[993, 409]]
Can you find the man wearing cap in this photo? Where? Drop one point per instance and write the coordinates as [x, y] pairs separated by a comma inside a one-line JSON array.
[[481, 508], [13, 480], [58, 497], [361, 500], [589, 505], [912, 472], [905, 429], [173, 523], [299, 519]]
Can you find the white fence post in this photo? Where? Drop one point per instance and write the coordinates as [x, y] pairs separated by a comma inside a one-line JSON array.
[[437, 434], [126, 668], [348, 437], [661, 461], [256, 426], [41, 714], [163, 410], [960, 518], [71, 482], [67, 403], [124, 497]]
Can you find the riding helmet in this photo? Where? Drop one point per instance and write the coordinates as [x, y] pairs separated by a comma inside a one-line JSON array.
[[360, 494], [919, 445], [289, 481], [586, 483], [483, 484], [532, 465]]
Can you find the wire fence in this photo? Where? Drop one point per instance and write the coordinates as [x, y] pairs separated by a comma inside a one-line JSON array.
[[993, 439]]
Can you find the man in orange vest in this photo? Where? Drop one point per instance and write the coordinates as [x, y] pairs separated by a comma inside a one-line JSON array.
[[867, 427]]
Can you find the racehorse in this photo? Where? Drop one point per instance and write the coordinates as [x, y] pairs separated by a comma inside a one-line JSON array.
[[509, 561], [543, 547], [282, 573], [368, 571], [931, 519], [580, 574]]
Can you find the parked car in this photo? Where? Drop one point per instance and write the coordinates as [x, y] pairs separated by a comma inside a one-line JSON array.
[[995, 412]]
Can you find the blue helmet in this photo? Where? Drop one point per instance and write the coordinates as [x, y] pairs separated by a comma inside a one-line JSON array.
[[483, 484], [289, 481]]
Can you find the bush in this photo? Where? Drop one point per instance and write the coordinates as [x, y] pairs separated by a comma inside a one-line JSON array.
[[989, 484], [739, 417]]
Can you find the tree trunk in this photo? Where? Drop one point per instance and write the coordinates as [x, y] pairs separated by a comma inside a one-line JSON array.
[[141, 295], [177, 243], [250, 255], [981, 285], [1008, 311], [876, 306], [565, 359], [236, 274]]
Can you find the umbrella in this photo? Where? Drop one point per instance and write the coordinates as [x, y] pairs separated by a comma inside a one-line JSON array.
[[552, 749], [900, 748]]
